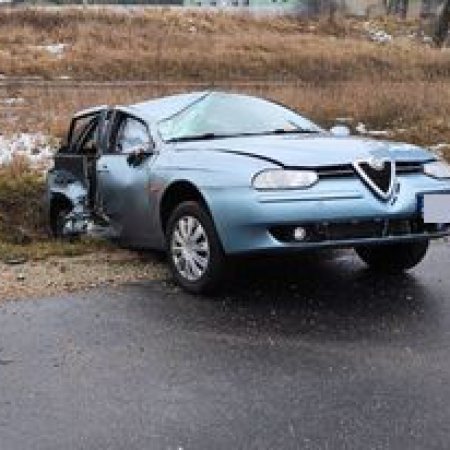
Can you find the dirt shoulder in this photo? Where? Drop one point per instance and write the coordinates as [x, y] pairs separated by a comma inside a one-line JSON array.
[[20, 279]]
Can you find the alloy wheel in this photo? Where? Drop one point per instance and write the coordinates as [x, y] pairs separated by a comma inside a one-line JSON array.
[[189, 248]]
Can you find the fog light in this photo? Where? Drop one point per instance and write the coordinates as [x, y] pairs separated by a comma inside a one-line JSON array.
[[299, 233]]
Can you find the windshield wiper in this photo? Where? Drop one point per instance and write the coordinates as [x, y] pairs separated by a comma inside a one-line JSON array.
[[196, 137], [208, 136], [296, 131]]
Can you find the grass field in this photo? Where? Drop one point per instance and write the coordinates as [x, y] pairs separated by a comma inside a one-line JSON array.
[[108, 44], [325, 70]]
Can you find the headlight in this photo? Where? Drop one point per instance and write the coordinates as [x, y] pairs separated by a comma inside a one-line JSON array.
[[284, 179], [437, 169]]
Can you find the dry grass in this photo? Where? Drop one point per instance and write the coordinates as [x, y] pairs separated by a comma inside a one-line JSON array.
[[21, 204], [44, 249], [422, 108], [325, 71], [107, 44]]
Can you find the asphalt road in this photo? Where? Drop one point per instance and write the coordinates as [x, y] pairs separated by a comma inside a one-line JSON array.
[[316, 354]]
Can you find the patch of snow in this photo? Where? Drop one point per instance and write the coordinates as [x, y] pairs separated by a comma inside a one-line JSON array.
[[12, 101], [380, 36], [438, 149], [377, 35], [344, 119], [440, 146], [361, 128], [65, 77], [36, 148], [378, 132], [54, 49]]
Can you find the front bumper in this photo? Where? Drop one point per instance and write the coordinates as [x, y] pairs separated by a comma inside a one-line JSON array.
[[246, 219]]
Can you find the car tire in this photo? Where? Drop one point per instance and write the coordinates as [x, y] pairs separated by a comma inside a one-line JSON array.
[[393, 258], [194, 250]]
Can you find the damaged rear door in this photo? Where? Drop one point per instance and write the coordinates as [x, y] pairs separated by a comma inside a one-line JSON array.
[[72, 180]]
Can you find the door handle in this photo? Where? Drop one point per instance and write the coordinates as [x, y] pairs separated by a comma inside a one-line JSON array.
[[103, 169]]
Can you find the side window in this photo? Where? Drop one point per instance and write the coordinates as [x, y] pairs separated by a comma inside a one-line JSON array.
[[88, 142], [82, 137], [132, 136], [79, 127]]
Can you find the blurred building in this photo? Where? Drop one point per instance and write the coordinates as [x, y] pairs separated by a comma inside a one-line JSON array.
[[352, 7]]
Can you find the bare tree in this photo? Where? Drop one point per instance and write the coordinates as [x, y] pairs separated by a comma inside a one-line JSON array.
[[429, 8], [398, 7], [443, 24]]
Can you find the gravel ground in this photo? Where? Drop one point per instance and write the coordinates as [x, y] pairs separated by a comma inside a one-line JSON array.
[[68, 274]]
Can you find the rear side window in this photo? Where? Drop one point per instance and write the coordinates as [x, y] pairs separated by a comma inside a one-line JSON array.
[[86, 143], [80, 127], [83, 133]]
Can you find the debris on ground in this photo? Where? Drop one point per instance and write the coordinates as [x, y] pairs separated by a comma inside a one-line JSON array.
[[22, 278]]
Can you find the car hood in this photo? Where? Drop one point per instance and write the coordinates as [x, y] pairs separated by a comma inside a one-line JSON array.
[[312, 151]]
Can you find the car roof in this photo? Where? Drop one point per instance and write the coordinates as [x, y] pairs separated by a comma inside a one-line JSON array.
[[165, 107]]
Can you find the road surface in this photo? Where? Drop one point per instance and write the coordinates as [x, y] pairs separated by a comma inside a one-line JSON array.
[[316, 354]]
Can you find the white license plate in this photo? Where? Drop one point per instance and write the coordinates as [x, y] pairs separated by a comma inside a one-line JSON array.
[[436, 208]]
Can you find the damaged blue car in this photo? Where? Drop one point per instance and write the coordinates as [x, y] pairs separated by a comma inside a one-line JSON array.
[[208, 175]]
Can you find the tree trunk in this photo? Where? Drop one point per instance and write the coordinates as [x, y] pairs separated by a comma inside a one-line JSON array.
[[387, 5], [399, 7], [443, 23], [403, 8], [427, 9]]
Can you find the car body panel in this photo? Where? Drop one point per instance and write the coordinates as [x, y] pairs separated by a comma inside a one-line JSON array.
[[331, 200], [121, 189], [312, 151]]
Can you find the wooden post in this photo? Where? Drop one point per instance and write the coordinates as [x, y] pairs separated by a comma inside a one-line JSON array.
[[442, 26]]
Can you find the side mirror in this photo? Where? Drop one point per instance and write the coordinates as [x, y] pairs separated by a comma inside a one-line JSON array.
[[340, 131], [139, 155]]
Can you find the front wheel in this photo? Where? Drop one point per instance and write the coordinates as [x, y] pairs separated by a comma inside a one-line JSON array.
[[195, 253], [393, 258]]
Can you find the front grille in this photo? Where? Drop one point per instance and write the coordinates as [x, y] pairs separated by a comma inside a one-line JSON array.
[[341, 171], [339, 231], [378, 179], [406, 168], [347, 170]]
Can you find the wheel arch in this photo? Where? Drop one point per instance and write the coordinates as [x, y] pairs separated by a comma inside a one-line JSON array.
[[57, 202], [176, 193]]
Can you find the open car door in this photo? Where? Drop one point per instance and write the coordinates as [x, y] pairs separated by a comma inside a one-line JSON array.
[[78, 155]]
